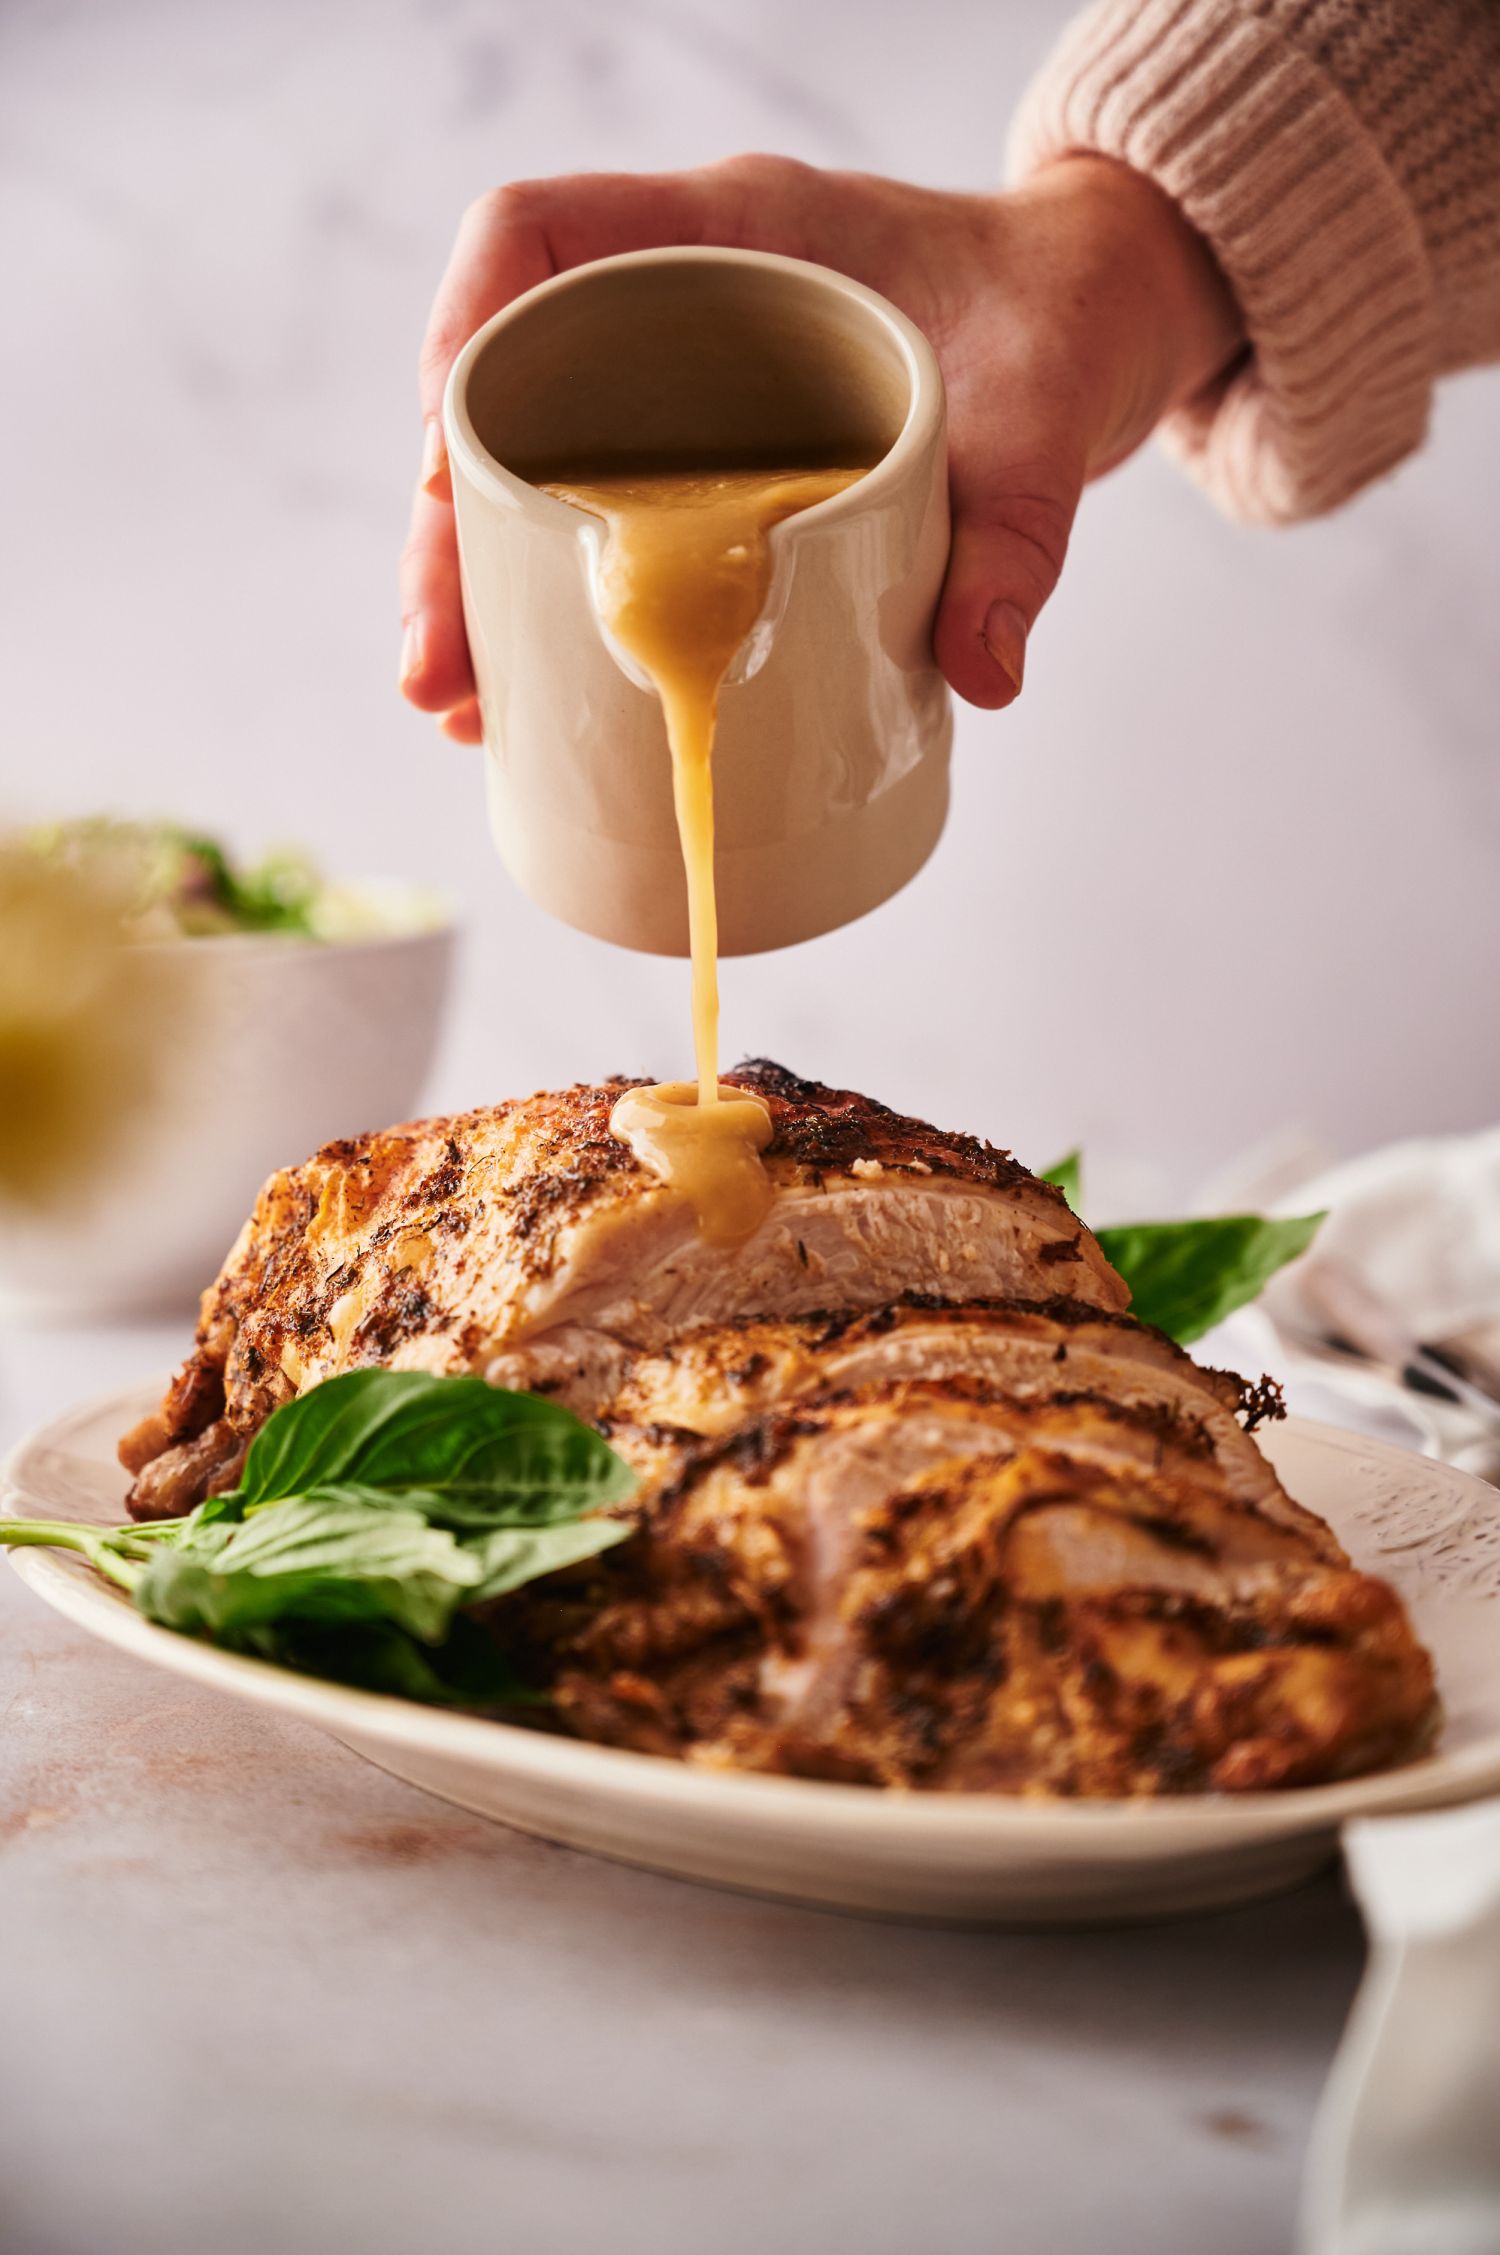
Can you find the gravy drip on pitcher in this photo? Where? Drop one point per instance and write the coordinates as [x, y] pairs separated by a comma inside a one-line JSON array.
[[683, 578]]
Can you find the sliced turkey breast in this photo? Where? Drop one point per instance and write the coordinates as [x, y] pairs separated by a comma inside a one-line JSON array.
[[710, 1380], [930, 1584], [446, 1244]]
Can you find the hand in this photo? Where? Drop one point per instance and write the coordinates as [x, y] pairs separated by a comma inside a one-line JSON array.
[[1068, 316]]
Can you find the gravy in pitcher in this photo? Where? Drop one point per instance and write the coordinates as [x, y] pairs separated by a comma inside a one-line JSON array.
[[683, 578]]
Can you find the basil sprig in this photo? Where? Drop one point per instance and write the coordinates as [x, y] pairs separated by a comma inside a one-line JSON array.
[[1068, 1175], [372, 1513], [1186, 1276]]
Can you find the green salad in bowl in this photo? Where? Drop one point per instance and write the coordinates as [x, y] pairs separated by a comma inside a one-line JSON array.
[[174, 1021], [175, 883]]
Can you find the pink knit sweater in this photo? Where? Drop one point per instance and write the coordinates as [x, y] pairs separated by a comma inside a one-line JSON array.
[[1343, 159]]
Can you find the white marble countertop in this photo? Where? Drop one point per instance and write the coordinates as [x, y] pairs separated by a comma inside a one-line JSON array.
[[258, 1995]]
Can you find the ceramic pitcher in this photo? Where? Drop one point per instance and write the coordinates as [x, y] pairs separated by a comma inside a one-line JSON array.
[[831, 764]]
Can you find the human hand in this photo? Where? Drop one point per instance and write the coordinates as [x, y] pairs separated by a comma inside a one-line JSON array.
[[1068, 317]]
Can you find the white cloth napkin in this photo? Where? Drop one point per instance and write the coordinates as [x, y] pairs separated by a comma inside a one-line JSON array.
[[1418, 1225], [1405, 2156]]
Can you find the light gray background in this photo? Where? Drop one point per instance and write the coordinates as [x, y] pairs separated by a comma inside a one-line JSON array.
[[1230, 867]]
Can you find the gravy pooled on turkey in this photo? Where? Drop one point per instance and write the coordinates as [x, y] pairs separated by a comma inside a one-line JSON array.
[[443, 1244], [683, 578], [919, 1505]]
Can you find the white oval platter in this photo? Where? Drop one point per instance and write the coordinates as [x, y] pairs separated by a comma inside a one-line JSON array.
[[1433, 1532]]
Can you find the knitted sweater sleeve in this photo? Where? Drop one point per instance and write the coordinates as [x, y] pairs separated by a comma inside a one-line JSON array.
[[1342, 157]]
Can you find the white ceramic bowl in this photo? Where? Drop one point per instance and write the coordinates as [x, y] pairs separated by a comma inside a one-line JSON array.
[[277, 1045]]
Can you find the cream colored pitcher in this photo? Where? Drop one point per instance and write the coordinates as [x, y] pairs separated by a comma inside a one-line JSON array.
[[831, 764]]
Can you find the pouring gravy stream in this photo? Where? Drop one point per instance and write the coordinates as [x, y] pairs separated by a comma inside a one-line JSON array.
[[683, 579]]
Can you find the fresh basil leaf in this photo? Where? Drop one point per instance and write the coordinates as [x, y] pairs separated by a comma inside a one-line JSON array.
[[1068, 1175], [509, 1556], [1186, 1276], [211, 1511], [318, 1438], [326, 1556], [496, 1458], [482, 1456], [372, 1511], [348, 1553], [468, 1669]]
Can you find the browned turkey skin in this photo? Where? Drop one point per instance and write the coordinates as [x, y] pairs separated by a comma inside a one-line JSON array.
[[447, 1244], [920, 1504], [929, 1584], [714, 1379]]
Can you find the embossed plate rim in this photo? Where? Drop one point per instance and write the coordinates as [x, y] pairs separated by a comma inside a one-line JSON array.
[[1144, 1828]]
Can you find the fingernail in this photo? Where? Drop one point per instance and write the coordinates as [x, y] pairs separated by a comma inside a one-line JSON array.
[[435, 478], [1004, 636], [411, 651]]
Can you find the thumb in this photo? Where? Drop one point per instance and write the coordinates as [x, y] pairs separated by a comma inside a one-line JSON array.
[[1011, 521]]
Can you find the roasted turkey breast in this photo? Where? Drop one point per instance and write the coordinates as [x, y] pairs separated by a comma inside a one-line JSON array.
[[930, 1583], [920, 1504], [710, 1380], [442, 1245]]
